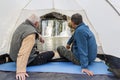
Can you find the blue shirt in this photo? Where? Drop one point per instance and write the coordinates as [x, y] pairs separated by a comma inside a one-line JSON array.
[[84, 45]]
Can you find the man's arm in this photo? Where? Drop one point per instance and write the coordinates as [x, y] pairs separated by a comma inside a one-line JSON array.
[[40, 38], [23, 55], [69, 42]]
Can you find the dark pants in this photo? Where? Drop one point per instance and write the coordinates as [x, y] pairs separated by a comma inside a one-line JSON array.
[[41, 58], [63, 52]]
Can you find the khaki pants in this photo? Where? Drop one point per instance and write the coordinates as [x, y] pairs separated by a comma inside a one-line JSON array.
[[63, 52]]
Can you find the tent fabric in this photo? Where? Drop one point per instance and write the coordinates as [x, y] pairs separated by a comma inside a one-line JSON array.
[[106, 22], [116, 5], [56, 76], [99, 15], [10, 11], [60, 67], [53, 4]]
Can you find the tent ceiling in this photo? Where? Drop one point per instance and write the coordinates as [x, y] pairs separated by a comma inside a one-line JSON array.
[[54, 4]]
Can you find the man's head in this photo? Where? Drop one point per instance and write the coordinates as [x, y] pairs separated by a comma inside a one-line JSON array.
[[35, 20], [76, 19]]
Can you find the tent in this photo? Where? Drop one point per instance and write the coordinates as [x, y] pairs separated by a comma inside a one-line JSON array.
[[102, 16]]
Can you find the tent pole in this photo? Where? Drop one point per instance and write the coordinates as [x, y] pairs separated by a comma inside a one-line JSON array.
[[53, 5], [113, 7]]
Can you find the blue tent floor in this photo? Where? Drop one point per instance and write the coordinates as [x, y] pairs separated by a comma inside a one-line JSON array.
[[59, 67], [58, 71]]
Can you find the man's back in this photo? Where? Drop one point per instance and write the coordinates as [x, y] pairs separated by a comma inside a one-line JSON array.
[[20, 33], [85, 43]]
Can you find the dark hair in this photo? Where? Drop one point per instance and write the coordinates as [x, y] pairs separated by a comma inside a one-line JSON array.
[[76, 18]]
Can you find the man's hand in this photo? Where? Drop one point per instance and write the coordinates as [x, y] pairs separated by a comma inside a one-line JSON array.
[[88, 72], [68, 46], [42, 40], [21, 76]]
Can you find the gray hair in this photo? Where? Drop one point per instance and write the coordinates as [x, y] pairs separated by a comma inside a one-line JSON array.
[[34, 18]]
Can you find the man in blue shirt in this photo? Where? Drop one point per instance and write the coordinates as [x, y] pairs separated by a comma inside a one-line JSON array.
[[84, 47]]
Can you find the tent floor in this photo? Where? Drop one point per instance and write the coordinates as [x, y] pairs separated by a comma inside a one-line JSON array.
[[4, 75]]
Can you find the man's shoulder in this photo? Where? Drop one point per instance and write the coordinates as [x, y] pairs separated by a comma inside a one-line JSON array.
[[26, 27], [81, 28]]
